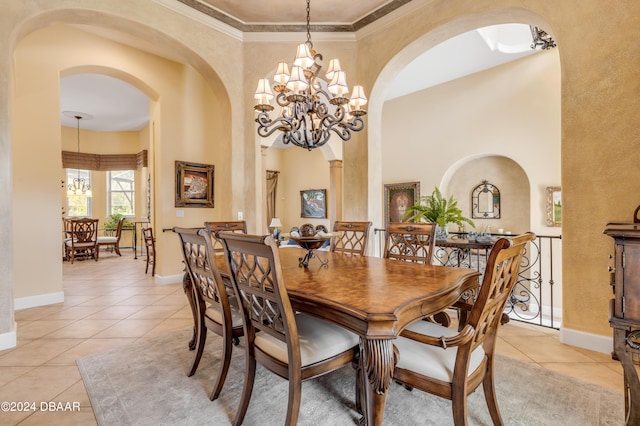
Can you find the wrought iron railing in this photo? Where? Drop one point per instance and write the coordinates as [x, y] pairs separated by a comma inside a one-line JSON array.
[[536, 297]]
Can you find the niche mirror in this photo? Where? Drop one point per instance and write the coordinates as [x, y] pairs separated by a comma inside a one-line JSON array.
[[485, 201]]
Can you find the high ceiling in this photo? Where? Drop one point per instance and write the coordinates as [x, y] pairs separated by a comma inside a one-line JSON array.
[[117, 106]]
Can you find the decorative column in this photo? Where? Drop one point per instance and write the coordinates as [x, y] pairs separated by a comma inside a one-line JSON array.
[[335, 192]]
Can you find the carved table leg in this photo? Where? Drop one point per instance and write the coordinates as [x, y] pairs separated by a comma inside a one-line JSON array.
[[377, 362], [187, 286]]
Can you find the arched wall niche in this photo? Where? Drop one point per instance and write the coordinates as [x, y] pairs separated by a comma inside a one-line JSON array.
[[501, 171]]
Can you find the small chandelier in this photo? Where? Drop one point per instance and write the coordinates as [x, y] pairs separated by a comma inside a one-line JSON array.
[[79, 185], [306, 120], [541, 39]]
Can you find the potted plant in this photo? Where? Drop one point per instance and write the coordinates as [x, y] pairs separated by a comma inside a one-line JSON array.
[[111, 224], [435, 208]]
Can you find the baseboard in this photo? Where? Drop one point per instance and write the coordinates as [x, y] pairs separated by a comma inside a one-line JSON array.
[[39, 300], [8, 340], [593, 342], [169, 279]]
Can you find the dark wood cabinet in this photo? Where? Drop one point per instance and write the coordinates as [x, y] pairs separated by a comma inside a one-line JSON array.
[[625, 310]]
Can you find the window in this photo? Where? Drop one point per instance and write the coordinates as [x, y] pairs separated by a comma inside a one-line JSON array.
[[78, 205], [121, 192]]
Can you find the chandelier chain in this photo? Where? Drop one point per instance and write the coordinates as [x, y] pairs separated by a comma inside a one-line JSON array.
[[309, 24]]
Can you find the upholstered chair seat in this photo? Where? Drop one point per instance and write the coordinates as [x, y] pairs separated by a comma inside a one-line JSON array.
[[441, 361], [236, 316], [319, 340]]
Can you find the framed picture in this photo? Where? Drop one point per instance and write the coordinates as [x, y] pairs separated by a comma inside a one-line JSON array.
[[194, 184], [554, 206], [398, 197], [313, 203]]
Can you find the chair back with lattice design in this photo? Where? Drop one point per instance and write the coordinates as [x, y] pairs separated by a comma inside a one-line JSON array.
[[410, 242], [500, 276], [232, 226], [197, 252], [352, 237], [256, 276], [84, 231]]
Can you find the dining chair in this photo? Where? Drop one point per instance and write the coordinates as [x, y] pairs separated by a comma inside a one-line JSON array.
[[83, 242], [352, 237], [215, 310], [150, 247], [410, 242], [450, 364], [112, 240], [232, 226], [292, 345]]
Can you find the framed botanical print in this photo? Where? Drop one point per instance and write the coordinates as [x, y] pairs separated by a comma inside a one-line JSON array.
[[194, 184], [398, 198]]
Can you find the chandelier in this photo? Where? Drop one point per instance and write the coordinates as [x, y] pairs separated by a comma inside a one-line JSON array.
[[541, 39], [308, 113], [79, 186]]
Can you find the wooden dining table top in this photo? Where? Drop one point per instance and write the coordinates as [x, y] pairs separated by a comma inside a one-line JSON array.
[[374, 297]]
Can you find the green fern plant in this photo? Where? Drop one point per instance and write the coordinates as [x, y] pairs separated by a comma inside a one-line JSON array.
[[435, 208]]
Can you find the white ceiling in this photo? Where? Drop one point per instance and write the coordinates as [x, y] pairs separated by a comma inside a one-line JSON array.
[[118, 106]]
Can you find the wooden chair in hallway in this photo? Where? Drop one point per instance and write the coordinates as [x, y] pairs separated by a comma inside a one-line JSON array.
[[83, 241], [215, 310], [112, 240], [293, 346], [150, 247], [352, 237], [450, 364]]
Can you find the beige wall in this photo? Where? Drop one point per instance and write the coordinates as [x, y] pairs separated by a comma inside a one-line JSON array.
[[599, 135], [299, 170]]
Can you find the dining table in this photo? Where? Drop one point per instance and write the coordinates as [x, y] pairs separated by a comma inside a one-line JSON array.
[[373, 297]]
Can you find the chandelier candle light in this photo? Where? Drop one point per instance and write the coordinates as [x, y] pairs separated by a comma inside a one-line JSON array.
[[79, 186], [305, 118]]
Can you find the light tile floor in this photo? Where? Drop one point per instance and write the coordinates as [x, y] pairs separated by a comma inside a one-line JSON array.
[[112, 302]]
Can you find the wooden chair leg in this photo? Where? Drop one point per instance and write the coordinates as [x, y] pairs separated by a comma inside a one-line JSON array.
[[200, 342], [117, 249], [293, 407], [224, 368], [459, 407], [488, 385], [249, 377]]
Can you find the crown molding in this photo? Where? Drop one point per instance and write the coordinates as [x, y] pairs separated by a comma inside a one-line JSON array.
[[203, 18], [274, 32]]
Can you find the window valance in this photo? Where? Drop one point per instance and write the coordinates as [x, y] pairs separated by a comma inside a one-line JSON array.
[[75, 160]]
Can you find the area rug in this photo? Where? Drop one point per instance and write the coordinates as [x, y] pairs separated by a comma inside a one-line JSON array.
[[146, 384]]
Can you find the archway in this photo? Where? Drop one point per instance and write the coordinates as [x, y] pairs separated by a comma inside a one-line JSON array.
[[67, 50], [376, 160]]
